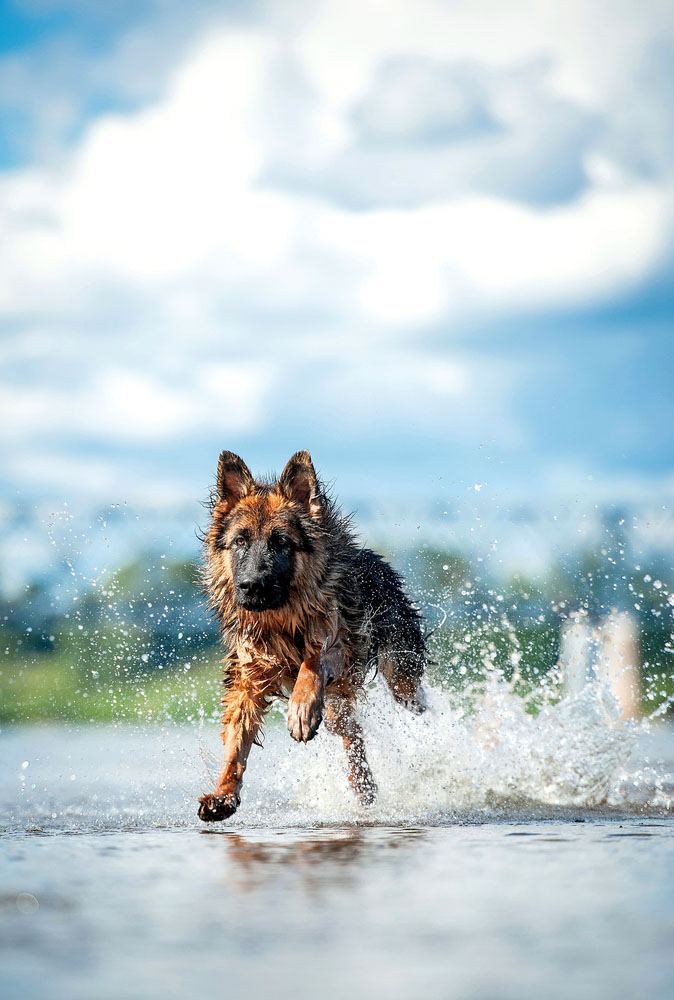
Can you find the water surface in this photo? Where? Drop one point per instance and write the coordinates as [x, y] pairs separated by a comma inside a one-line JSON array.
[[515, 884]]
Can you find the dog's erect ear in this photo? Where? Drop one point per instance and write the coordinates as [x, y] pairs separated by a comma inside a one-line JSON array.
[[298, 482], [234, 479]]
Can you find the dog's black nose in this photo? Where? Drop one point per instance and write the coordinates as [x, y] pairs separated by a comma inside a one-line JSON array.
[[257, 593]]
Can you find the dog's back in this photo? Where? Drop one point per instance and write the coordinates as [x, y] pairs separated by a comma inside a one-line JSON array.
[[397, 644]]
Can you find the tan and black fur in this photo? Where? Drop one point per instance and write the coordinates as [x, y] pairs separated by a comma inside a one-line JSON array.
[[305, 613]]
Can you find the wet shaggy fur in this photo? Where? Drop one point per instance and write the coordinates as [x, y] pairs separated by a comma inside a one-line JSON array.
[[305, 613]]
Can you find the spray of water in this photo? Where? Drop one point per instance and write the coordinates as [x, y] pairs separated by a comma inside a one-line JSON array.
[[502, 735], [452, 764]]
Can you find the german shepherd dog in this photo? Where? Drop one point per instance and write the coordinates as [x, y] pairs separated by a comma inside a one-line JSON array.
[[305, 613]]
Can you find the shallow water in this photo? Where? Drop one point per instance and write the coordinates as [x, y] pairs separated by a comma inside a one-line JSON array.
[[507, 857], [537, 909]]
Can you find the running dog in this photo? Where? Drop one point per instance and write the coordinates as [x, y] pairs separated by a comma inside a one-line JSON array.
[[305, 613]]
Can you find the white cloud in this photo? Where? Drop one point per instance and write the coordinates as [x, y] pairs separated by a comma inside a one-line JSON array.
[[481, 254], [124, 405], [428, 130], [459, 401], [173, 193], [82, 480], [184, 259]]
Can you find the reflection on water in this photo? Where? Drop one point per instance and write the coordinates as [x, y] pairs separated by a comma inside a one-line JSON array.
[[500, 877], [539, 910], [319, 859]]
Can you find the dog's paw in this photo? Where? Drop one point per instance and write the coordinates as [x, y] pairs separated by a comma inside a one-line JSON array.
[[367, 795], [364, 785], [213, 808], [414, 701], [418, 705], [304, 718]]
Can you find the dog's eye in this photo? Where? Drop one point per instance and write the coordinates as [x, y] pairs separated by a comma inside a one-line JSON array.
[[280, 542], [240, 542]]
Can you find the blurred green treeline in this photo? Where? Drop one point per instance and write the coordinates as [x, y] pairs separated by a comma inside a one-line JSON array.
[[139, 643]]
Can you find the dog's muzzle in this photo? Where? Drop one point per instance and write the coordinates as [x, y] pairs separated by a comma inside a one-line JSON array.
[[259, 595]]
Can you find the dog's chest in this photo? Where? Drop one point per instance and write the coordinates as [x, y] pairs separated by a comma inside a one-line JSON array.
[[271, 660]]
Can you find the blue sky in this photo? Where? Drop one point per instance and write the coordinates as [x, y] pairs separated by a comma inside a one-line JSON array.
[[433, 243]]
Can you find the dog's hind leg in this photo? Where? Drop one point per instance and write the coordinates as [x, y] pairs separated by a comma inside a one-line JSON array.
[[244, 706], [340, 719], [403, 672]]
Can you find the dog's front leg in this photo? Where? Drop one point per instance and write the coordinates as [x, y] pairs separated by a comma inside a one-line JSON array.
[[244, 707], [305, 706]]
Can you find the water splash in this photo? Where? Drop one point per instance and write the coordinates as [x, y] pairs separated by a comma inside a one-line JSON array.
[[451, 763], [502, 738]]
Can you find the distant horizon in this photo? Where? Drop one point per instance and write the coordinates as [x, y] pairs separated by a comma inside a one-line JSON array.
[[518, 537]]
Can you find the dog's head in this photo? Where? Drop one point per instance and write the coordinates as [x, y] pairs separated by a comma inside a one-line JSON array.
[[262, 533]]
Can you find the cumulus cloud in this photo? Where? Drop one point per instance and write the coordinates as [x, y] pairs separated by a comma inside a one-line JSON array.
[[308, 194], [92, 59], [128, 405], [430, 130], [454, 400], [418, 101], [177, 194]]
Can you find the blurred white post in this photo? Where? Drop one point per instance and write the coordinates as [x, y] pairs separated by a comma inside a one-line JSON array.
[[618, 662], [608, 653], [575, 655]]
